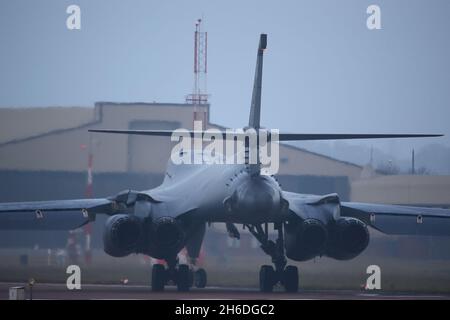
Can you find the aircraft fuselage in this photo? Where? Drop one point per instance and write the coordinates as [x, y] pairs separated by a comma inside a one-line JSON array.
[[223, 193]]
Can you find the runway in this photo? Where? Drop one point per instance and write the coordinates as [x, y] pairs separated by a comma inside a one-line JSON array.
[[134, 292]]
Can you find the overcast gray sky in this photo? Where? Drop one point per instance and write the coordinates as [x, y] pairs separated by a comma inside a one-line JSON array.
[[324, 70]]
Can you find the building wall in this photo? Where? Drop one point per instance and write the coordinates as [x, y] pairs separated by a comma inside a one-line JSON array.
[[420, 190], [66, 149], [20, 123], [295, 162]]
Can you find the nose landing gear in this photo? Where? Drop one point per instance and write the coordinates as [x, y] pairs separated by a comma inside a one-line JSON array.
[[268, 275]]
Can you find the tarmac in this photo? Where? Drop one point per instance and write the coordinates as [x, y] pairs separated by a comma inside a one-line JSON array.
[[136, 292]]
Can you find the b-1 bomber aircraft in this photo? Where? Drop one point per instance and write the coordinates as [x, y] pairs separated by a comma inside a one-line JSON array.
[[162, 221]]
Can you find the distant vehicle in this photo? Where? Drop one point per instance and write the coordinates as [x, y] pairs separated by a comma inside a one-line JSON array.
[[161, 222]]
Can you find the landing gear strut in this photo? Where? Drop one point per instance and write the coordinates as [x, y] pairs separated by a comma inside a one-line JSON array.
[[268, 275], [179, 274]]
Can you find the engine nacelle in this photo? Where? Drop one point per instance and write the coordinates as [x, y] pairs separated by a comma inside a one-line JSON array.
[[304, 240], [122, 234], [348, 238], [167, 235]]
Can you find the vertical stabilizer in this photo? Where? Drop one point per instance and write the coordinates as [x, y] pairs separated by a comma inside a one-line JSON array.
[[255, 110]]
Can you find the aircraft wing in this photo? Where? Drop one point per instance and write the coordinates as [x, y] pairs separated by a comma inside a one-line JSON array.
[[322, 207], [389, 219], [52, 215], [400, 220]]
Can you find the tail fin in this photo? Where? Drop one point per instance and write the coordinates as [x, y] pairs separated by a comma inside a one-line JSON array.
[[255, 110], [255, 117]]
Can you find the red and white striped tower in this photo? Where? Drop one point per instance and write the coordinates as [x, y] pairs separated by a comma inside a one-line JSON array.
[[89, 193], [199, 95]]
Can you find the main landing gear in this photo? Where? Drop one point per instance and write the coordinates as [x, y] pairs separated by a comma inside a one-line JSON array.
[[179, 274], [269, 276]]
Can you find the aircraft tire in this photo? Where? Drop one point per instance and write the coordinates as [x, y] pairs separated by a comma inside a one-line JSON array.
[[158, 277], [200, 278], [290, 279], [266, 278], [183, 278]]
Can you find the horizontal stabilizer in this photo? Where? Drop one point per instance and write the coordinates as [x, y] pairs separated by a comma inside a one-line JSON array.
[[339, 136], [282, 136], [160, 133]]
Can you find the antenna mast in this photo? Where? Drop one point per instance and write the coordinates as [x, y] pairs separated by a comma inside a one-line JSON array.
[[199, 95]]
